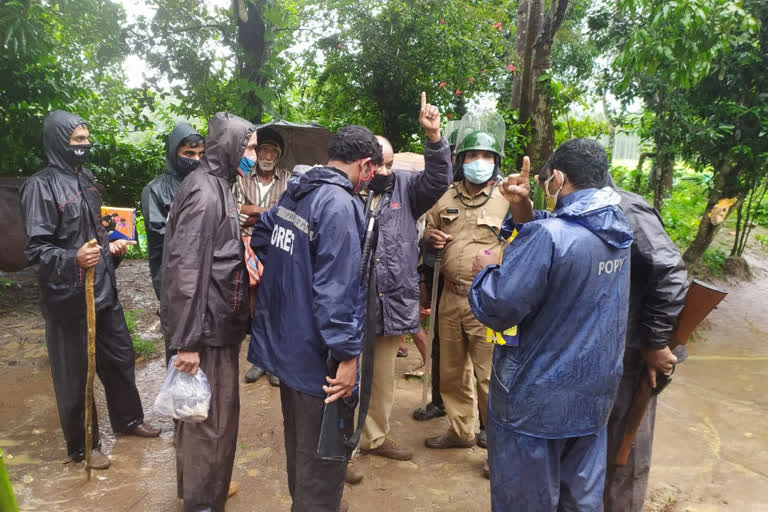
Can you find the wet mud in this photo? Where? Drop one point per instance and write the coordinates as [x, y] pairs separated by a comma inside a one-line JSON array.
[[711, 448]]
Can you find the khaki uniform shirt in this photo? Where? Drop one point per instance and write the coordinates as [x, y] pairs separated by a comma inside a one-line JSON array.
[[246, 191], [470, 228]]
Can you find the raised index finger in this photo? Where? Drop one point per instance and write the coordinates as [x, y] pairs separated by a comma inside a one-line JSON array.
[[526, 170], [423, 100]]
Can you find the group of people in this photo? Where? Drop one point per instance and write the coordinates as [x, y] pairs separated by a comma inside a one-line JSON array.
[[546, 320]]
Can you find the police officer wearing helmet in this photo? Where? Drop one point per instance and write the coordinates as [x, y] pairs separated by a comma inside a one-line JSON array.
[[467, 219]]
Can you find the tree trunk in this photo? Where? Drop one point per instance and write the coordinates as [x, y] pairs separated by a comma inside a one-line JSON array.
[[251, 34], [726, 177], [537, 26], [521, 40], [638, 184], [662, 179]]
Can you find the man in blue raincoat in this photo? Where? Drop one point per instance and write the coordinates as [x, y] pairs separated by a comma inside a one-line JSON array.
[[564, 282], [311, 305]]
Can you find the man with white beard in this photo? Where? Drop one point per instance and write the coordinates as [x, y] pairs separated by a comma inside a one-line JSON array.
[[255, 193]]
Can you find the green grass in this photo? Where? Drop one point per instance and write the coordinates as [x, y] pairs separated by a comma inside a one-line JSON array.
[[762, 240], [714, 260], [143, 347]]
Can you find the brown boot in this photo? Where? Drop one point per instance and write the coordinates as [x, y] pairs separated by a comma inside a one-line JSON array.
[[143, 430], [448, 440], [354, 473], [391, 450], [99, 460]]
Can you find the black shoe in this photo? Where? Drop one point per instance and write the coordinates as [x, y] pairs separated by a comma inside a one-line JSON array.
[[429, 412], [482, 439], [254, 374]]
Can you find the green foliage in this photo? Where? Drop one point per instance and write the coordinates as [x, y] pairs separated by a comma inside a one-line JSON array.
[[761, 216], [586, 127], [714, 260], [374, 67], [143, 347], [762, 240], [138, 251], [623, 177], [682, 211], [124, 169], [62, 55]]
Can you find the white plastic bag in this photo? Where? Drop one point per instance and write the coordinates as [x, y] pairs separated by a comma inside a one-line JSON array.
[[184, 397]]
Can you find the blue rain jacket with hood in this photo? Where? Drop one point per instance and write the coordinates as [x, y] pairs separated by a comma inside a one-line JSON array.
[[310, 300], [564, 282], [156, 199]]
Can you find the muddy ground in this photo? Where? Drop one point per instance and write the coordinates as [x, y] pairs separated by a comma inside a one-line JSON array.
[[711, 450]]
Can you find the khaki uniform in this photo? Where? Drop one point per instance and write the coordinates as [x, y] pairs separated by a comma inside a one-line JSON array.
[[462, 337]]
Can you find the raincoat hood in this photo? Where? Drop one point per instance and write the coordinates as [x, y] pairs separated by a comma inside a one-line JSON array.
[[57, 129], [180, 132], [598, 211], [314, 178], [227, 138]]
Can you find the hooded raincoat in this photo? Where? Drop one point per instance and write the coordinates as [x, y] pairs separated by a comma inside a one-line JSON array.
[[564, 282], [204, 309], [205, 283], [310, 301], [62, 211], [656, 297], [156, 201]]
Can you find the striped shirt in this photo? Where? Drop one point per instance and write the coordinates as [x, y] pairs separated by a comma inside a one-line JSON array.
[[248, 191]]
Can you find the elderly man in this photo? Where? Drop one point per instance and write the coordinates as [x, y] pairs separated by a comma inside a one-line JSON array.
[[255, 193], [204, 307], [183, 151], [400, 198], [61, 205], [559, 303]]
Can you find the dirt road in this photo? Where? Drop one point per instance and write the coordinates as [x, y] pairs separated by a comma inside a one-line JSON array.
[[711, 444]]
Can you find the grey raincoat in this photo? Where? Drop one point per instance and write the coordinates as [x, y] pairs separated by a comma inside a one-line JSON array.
[[156, 201]]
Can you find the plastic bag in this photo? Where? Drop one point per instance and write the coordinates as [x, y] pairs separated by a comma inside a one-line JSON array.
[[184, 397]]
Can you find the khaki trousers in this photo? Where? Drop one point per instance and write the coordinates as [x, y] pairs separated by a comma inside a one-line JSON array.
[[462, 344], [376, 426]]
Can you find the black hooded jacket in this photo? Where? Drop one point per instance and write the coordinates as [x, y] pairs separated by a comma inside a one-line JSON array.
[[204, 300], [658, 278], [156, 201], [62, 211]]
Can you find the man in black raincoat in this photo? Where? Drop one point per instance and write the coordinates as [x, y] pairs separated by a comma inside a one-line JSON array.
[[658, 284], [183, 152], [62, 212], [204, 307]]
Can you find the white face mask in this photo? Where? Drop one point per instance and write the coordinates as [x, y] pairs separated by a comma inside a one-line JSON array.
[[266, 165], [546, 188]]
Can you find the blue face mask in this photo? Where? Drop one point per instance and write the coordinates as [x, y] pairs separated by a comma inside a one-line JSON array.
[[245, 166], [479, 171]]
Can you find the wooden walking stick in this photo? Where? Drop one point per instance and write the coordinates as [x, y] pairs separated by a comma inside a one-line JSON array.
[[90, 313]]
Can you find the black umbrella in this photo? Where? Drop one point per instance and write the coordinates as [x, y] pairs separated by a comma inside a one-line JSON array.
[[302, 143]]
